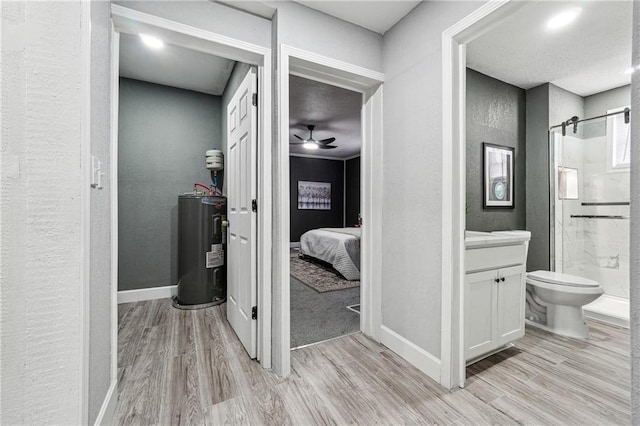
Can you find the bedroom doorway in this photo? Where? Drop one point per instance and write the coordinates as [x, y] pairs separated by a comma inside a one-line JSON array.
[[325, 142]]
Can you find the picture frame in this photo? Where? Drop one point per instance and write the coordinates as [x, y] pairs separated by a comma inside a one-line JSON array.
[[314, 195], [498, 176]]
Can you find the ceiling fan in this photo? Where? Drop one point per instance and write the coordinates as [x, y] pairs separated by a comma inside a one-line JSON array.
[[311, 143]]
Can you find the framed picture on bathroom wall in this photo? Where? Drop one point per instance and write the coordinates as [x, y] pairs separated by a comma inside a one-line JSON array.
[[498, 162]]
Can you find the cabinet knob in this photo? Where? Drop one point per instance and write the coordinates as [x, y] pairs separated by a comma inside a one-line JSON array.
[[502, 279], [497, 280]]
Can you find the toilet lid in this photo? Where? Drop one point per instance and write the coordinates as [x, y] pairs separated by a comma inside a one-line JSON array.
[[561, 279]]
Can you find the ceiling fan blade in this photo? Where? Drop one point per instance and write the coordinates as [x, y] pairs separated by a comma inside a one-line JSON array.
[[298, 137], [326, 146], [296, 143], [326, 141]]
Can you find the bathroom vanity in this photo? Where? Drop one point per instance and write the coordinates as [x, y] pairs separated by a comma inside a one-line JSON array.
[[494, 291]]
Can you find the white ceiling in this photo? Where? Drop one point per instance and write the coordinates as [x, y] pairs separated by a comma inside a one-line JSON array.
[[334, 111], [588, 56], [174, 66], [377, 16]]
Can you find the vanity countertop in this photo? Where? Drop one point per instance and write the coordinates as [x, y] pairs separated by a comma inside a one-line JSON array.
[[477, 239]]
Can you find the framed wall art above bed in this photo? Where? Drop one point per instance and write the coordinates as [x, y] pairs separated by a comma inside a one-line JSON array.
[[314, 195]]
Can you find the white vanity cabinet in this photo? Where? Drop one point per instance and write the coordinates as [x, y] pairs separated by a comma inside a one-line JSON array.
[[494, 309], [494, 295]]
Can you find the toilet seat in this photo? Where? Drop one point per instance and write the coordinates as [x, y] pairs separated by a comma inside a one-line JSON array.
[[558, 278]]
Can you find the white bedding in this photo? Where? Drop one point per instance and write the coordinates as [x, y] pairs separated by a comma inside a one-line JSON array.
[[339, 247]]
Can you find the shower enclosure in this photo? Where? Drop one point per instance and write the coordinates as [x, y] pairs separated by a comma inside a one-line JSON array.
[[590, 207]]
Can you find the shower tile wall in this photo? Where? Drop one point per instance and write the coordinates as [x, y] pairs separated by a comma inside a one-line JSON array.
[[594, 248]]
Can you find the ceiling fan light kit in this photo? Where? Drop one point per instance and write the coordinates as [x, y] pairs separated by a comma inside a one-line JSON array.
[[311, 143]]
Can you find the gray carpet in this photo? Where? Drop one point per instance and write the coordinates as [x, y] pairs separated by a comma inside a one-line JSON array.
[[320, 316]]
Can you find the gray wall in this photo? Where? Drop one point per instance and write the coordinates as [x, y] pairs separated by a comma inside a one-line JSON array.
[[635, 223], [316, 170], [412, 212], [547, 105], [352, 191], [599, 103], [100, 257], [495, 114], [163, 135]]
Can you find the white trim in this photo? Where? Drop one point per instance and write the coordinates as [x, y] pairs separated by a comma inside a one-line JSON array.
[[281, 224], [107, 413], [141, 294], [315, 157], [122, 14], [338, 73], [418, 357], [113, 186], [352, 157], [85, 206], [127, 20], [344, 193], [453, 181]]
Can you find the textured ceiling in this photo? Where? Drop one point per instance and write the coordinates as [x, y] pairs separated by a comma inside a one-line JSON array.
[[174, 66], [334, 111], [588, 56], [377, 16]]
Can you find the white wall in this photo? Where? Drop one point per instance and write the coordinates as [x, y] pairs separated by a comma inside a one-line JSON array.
[[635, 223], [40, 204], [314, 31], [412, 213]]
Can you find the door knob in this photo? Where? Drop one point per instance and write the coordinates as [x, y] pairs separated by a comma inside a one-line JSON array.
[[225, 223]]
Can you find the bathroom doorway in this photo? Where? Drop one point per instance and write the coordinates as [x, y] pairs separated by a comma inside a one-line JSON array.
[[498, 28]]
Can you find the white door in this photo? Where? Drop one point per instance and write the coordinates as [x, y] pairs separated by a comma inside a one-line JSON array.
[[511, 302], [480, 313], [241, 177]]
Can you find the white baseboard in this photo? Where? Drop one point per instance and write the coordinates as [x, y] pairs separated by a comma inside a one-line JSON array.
[[416, 356], [294, 245], [107, 413], [127, 296]]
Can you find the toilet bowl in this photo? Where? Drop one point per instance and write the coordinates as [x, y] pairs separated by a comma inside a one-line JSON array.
[[563, 295]]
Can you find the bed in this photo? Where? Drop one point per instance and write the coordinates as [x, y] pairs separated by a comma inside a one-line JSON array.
[[340, 247]]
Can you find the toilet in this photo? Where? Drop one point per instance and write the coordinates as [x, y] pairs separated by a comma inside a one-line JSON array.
[[555, 301]]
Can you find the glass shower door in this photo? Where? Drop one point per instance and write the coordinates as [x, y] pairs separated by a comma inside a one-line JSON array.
[[591, 212]]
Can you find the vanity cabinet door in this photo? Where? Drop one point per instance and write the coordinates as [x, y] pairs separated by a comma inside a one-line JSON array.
[[511, 303], [480, 314]]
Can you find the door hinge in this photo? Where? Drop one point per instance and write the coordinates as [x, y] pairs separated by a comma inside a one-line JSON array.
[[254, 205], [254, 99], [254, 313]]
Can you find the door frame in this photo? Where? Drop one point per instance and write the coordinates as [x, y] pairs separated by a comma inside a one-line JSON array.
[[126, 20], [302, 63], [454, 64]]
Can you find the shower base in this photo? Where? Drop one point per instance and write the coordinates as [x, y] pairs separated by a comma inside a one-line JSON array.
[[610, 309]]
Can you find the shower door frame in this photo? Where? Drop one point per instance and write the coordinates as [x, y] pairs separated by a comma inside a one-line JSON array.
[[552, 176]]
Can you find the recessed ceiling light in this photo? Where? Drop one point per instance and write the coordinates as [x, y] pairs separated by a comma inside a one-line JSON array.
[[563, 18], [151, 41], [630, 70]]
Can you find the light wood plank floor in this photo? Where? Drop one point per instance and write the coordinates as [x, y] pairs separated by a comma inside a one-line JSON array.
[[187, 367]]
